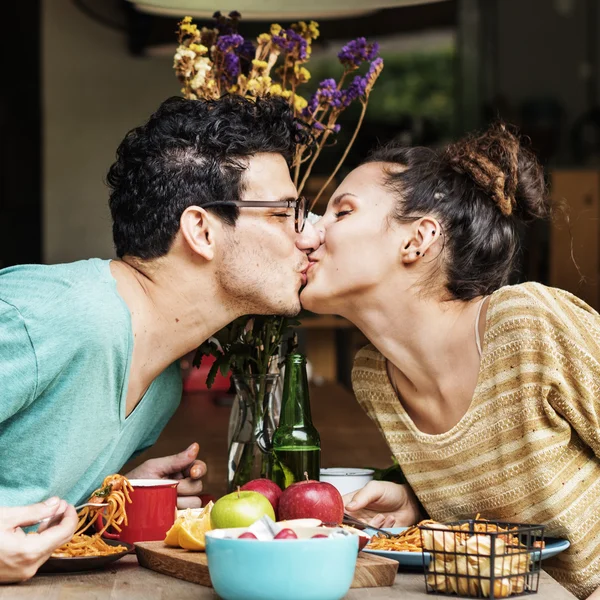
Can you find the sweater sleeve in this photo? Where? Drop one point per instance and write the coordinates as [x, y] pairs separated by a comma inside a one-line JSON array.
[[18, 365], [572, 331]]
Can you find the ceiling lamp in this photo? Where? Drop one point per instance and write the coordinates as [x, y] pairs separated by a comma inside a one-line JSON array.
[[264, 10]]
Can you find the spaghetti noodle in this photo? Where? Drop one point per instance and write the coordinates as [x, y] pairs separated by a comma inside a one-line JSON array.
[[114, 491]]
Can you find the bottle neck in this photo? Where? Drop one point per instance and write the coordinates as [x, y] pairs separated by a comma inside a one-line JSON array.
[[295, 404]]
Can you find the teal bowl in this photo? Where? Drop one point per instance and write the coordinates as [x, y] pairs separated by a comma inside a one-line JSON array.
[[303, 569]]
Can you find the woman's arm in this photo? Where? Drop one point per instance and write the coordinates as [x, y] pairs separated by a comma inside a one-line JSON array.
[[385, 504]]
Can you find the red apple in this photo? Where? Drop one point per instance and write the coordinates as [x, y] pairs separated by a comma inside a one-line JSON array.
[[286, 534], [247, 535], [311, 500], [269, 489]]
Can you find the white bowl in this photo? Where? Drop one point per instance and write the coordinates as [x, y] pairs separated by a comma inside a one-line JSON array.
[[346, 479]]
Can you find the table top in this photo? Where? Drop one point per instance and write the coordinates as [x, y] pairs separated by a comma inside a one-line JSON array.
[[128, 581]]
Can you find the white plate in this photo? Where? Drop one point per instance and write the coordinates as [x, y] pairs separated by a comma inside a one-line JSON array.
[[553, 547]]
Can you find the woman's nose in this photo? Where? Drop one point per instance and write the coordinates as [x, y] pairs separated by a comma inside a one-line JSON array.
[[310, 238]]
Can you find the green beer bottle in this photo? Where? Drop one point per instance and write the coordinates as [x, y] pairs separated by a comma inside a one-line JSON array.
[[296, 442]]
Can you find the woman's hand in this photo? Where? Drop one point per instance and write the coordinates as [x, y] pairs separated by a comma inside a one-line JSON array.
[[22, 554], [183, 466], [384, 504]]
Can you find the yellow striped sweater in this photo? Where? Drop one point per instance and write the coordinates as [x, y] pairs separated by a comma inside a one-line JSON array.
[[528, 448]]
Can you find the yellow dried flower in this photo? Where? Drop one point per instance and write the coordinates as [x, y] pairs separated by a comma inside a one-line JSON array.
[[275, 29], [275, 89], [302, 74], [191, 29], [313, 30], [198, 48], [300, 103], [264, 38], [186, 20], [253, 85], [260, 64]]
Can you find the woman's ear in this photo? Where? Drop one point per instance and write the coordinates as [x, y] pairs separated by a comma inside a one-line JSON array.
[[197, 229], [424, 235]]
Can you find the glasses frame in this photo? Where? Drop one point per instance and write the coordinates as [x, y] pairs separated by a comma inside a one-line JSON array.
[[299, 216]]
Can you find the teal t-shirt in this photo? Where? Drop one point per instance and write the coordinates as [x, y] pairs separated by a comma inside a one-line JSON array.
[[65, 353]]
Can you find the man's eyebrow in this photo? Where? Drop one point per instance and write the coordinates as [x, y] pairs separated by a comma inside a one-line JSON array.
[[336, 201]]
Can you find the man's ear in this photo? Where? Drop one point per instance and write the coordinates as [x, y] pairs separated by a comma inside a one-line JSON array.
[[425, 235], [197, 227]]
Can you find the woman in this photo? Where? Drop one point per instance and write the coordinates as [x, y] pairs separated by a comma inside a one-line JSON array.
[[487, 394]]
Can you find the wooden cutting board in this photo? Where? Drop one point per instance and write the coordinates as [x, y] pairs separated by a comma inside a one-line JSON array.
[[371, 570]]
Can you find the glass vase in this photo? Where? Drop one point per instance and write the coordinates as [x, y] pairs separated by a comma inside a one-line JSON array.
[[254, 418]]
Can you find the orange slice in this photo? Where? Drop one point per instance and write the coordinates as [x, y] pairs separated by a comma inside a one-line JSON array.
[[172, 537], [191, 533]]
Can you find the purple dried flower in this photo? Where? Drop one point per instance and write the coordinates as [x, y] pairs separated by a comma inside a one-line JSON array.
[[318, 126], [327, 95], [229, 41], [373, 52], [247, 50], [291, 42], [356, 52], [336, 128], [374, 67], [231, 66]]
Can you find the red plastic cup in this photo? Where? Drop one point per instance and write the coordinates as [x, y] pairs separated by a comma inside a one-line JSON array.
[[150, 515]]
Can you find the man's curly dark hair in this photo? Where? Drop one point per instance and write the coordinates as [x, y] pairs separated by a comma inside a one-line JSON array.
[[191, 152]]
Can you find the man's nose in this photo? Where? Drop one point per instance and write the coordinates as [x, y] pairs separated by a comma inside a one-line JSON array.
[[309, 239]]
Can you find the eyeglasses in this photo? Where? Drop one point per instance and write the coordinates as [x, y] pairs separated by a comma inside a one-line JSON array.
[[300, 206]]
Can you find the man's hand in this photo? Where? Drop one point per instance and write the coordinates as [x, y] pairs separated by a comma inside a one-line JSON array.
[[384, 504], [182, 466], [22, 554]]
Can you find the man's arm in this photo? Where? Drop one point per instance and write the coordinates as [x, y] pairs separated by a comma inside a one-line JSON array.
[[18, 364]]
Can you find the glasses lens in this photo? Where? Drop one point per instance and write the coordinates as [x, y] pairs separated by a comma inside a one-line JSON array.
[[301, 211]]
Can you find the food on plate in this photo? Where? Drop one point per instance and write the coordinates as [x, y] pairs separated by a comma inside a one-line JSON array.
[[114, 491], [407, 541]]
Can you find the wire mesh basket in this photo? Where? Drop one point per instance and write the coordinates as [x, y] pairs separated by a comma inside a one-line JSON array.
[[482, 559]]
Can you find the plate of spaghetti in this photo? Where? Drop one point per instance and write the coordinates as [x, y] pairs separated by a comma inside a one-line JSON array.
[[407, 548], [90, 550]]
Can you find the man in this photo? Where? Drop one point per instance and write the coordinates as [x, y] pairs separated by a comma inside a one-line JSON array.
[[207, 227]]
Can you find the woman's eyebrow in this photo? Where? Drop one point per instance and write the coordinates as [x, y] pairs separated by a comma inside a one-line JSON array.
[[339, 198]]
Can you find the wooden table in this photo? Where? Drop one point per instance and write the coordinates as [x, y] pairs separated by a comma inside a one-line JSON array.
[[128, 581]]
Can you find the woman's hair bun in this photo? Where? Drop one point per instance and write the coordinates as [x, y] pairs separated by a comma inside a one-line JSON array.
[[499, 165]]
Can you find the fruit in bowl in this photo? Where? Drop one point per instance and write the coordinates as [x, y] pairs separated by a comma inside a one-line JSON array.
[[312, 500], [240, 509]]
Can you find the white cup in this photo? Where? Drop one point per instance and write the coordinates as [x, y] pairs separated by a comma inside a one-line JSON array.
[[346, 479]]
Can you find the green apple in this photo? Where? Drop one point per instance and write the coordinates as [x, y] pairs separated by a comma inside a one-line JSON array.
[[240, 509]]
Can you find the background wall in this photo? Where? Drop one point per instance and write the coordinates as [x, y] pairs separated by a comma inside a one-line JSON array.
[[545, 52], [93, 93]]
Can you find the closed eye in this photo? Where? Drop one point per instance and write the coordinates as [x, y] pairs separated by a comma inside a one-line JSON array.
[[342, 213], [282, 215]]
